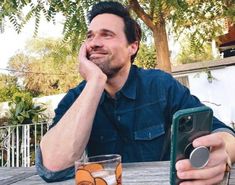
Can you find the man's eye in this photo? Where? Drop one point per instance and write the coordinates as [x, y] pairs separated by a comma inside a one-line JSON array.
[[89, 36], [107, 35]]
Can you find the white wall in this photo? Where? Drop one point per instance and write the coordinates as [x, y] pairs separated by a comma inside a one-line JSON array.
[[51, 102], [3, 109], [219, 95]]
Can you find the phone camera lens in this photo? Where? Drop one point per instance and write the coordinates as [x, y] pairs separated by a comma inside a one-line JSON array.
[[186, 124]]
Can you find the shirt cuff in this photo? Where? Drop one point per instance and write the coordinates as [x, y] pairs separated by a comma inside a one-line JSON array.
[[224, 130], [52, 176]]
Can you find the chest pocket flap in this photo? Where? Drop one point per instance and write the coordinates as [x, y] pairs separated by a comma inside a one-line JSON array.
[[149, 133]]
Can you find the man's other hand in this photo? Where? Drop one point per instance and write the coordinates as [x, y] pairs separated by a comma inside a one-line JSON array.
[[213, 172]]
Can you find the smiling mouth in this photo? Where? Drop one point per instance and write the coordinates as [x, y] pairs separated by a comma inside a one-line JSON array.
[[96, 55]]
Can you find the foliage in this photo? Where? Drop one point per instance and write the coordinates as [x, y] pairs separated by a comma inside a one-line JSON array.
[[22, 110], [201, 20], [48, 67], [190, 54], [73, 11], [8, 87], [146, 57]]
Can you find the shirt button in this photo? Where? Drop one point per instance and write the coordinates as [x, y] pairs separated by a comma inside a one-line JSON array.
[[119, 118]]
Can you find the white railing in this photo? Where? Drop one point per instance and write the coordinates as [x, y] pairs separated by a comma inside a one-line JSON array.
[[18, 144]]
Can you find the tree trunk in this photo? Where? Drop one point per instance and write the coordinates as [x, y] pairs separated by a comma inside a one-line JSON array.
[[159, 34], [161, 44]]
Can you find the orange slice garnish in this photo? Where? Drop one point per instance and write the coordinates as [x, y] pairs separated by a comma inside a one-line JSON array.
[[100, 181], [118, 173], [84, 177], [93, 167]]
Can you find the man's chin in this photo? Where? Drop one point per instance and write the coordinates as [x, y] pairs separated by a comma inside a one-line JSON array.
[[97, 61]]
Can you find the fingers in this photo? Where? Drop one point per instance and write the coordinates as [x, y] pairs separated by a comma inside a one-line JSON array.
[[82, 52], [211, 140], [80, 55], [217, 157], [202, 174], [213, 173], [216, 180], [183, 165], [87, 69]]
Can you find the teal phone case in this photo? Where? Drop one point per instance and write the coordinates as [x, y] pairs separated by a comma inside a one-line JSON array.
[[187, 125]]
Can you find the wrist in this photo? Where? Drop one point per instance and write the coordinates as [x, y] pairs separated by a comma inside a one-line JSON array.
[[99, 79], [97, 82]]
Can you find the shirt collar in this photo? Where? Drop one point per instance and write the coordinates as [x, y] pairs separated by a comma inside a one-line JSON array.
[[129, 88]]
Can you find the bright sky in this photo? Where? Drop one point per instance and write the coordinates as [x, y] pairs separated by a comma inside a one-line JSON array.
[[11, 42]]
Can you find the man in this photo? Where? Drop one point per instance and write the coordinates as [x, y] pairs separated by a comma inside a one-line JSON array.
[[120, 108]]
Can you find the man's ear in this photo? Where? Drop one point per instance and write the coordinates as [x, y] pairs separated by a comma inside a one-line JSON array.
[[133, 47]]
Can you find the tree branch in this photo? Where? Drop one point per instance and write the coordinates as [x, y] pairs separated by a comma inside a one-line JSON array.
[[152, 6], [134, 5]]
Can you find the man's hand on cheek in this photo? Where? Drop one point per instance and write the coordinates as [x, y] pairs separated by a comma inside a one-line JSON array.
[[213, 172], [88, 69]]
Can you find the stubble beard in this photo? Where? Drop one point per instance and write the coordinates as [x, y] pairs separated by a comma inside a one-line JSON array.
[[105, 65]]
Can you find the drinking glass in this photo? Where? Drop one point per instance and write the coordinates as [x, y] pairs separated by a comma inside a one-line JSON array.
[[99, 170]]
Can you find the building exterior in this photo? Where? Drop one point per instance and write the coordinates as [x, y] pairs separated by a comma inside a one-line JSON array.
[[213, 83], [226, 42]]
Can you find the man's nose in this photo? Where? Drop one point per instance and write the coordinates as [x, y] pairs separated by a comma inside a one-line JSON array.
[[95, 42]]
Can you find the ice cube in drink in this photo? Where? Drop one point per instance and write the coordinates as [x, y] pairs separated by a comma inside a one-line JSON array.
[[106, 175]]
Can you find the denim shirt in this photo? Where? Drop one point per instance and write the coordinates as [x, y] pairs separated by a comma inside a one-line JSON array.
[[135, 123]]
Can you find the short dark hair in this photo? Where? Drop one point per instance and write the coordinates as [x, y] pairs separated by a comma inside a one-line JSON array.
[[132, 29]]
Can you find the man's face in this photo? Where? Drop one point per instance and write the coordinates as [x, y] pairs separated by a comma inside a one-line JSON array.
[[107, 45]]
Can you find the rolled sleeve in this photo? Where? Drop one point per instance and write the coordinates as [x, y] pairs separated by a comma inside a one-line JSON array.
[[52, 176], [230, 131]]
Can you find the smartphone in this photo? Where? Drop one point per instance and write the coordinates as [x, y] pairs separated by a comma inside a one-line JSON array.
[[187, 125]]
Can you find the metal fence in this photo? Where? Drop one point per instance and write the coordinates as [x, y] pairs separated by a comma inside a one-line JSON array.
[[18, 144]]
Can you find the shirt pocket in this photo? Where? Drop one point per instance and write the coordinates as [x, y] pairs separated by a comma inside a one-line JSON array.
[[149, 133], [150, 141], [102, 142]]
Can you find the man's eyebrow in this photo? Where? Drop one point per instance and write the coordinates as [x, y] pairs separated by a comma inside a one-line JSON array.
[[106, 30], [102, 30]]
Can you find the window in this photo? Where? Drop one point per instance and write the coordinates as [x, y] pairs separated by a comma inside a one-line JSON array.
[[183, 80]]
